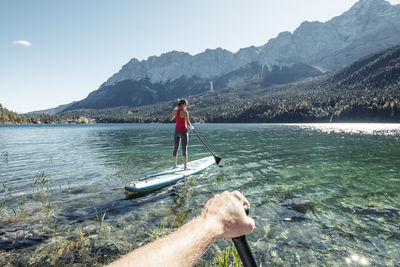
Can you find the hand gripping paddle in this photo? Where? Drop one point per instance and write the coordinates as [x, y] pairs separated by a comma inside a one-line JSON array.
[[243, 248]]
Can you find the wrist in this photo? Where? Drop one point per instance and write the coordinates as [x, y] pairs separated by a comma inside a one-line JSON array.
[[213, 228]]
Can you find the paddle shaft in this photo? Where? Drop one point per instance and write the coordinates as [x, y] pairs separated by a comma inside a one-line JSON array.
[[244, 251], [204, 143], [243, 248]]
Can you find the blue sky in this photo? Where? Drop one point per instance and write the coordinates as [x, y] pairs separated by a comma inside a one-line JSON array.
[[69, 48]]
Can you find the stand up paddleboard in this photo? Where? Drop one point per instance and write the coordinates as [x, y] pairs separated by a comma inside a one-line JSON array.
[[169, 176]]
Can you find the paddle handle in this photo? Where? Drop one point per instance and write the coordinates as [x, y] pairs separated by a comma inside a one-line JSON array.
[[243, 248]]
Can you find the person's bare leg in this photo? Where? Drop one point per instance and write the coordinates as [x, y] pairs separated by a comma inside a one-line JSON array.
[[174, 160], [185, 163]]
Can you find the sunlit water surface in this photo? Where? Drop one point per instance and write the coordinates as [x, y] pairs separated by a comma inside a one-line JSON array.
[[321, 194]]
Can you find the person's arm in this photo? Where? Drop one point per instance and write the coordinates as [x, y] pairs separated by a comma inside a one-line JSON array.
[[186, 115], [173, 114], [222, 216]]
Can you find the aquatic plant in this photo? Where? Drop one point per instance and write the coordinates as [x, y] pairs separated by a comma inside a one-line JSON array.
[[2, 205], [41, 179], [45, 202], [7, 189], [21, 203], [68, 249], [55, 229], [227, 257], [69, 185], [7, 194], [41, 182], [5, 155], [157, 233], [99, 219], [194, 179], [120, 174]]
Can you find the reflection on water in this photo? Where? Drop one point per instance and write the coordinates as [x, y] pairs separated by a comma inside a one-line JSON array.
[[354, 128], [321, 194], [355, 259]]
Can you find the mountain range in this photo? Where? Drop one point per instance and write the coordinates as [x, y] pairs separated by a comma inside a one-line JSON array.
[[368, 90], [313, 49]]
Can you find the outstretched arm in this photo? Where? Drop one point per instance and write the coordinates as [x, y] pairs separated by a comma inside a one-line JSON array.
[[222, 216]]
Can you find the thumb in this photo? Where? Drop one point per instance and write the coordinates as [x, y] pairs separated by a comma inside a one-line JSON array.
[[250, 224]]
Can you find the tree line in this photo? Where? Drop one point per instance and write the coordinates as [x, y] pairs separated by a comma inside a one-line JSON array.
[[10, 117]]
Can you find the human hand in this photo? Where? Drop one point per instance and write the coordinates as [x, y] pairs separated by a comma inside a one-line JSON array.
[[226, 215], [175, 108]]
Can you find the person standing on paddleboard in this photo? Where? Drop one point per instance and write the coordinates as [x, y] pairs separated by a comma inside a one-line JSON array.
[[181, 135]]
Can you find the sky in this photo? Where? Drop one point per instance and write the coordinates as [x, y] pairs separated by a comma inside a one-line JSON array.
[[53, 52]]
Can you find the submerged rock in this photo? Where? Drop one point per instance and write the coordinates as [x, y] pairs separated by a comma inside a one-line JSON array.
[[298, 204], [19, 242]]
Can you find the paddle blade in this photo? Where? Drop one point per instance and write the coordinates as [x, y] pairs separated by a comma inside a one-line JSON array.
[[220, 162]]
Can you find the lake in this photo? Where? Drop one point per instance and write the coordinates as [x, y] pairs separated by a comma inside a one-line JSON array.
[[321, 194]]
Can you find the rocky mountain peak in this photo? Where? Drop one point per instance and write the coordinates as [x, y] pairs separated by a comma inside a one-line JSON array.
[[314, 47], [367, 8], [368, 26], [371, 5]]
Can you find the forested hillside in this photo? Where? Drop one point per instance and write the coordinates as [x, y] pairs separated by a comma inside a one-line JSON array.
[[365, 91], [9, 117]]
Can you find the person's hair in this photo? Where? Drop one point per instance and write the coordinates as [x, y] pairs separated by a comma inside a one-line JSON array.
[[182, 101]]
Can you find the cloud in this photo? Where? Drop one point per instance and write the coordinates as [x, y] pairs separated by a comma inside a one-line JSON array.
[[23, 43]]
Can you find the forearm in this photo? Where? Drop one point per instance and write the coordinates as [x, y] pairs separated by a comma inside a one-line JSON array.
[[173, 114], [181, 248], [188, 120], [222, 216]]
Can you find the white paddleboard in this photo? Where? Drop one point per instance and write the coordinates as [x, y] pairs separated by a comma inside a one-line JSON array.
[[169, 176]]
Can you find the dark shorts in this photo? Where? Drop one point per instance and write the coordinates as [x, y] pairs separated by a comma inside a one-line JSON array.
[[181, 137]]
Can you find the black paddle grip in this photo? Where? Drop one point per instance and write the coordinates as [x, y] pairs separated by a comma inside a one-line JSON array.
[[243, 248]]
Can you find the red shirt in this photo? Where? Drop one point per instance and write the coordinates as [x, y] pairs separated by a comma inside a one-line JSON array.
[[180, 125]]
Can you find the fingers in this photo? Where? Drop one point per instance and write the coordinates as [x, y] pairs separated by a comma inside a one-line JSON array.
[[242, 199], [225, 211], [248, 220], [236, 195]]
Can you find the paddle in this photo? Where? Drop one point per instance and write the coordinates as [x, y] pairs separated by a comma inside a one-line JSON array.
[[243, 248], [220, 162]]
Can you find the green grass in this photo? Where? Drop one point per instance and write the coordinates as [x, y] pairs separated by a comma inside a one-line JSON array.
[[41, 179], [157, 233], [55, 229], [7, 194], [5, 155], [41, 184], [228, 257], [100, 218], [2, 205], [21, 204], [45, 202], [120, 173]]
